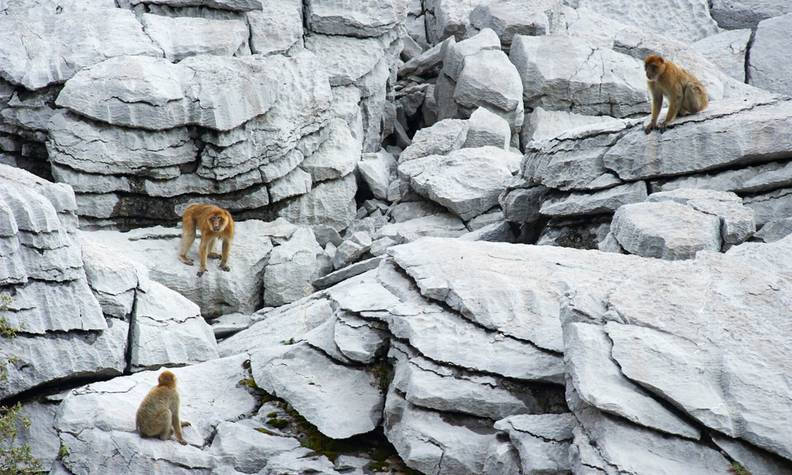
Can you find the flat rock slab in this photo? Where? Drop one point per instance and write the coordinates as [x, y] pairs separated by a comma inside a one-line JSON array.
[[338, 17], [216, 292], [180, 37], [766, 68], [341, 401]]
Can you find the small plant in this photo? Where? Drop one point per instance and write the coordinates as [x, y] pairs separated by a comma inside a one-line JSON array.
[[277, 423], [6, 330], [738, 469], [15, 459], [63, 451], [249, 383], [265, 431], [11, 360]]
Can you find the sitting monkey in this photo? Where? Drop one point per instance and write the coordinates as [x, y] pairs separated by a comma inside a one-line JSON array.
[[158, 414], [686, 95]]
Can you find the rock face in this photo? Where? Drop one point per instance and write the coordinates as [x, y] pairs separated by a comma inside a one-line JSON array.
[[765, 68]]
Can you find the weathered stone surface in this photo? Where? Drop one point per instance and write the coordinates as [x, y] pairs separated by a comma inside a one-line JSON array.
[[277, 28], [770, 206], [775, 230], [233, 5], [216, 292], [337, 156], [297, 182], [450, 18], [441, 138], [513, 17], [436, 443], [377, 170], [576, 82], [330, 203], [246, 449], [724, 135], [542, 440], [767, 65], [489, 79], [230, 324], [665, 230], [605, 201], [216, 92], [733, 14], [338, 17], [291, 269], [521, 202], [41, 436], [180, 37], [97, 422], [756, 461], [686, 20], [352, 249], [548, 124], [466, 181], [49, 48], [487, 129], [726, 50], [457, 52], [168, 329], [304, 376]]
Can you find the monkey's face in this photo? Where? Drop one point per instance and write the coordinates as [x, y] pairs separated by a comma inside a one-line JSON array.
[[217, 222], [654, 67]]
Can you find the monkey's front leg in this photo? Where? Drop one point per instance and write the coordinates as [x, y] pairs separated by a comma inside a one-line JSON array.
[[657, 104], [203, 251], [226, 252]]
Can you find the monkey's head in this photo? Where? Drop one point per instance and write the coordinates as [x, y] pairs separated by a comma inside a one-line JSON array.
[[217, 222], [166, 378], [654, 66]]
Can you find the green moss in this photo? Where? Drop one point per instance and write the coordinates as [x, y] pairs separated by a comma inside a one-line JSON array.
[[384, 374], [278, 423], [63, 451], [272, 415], [738, 469], [249, 383], [290, 341], [265, 431], [7, 330], [15, 459]]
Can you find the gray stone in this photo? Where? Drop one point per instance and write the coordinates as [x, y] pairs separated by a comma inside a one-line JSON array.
[[113, 278], [495, 232], [775, 230], [573, 80], [41, 437], [337, 156], [487, 129], [767, 65], [450, 18], [541, 125], [360, 340], [605, 201], [513, 17], [521, 204], [297, 182], [338, 17], [770, 206], [726, 50], [756, 461], [291, 269], [298, 462], [232, 5], [665, 230], [755, 179], [377, 170], [330, 203], [441, 138], [277, 28], [426, 63], [542, 440], [436, 225], [180, 37], [457, 52], [168, 329], [48, 48], [733, 14], [303, 376], [502, 457], [351, 270], [466, 181], [352, 249], [230, 324], [247, 449], [489, 79]]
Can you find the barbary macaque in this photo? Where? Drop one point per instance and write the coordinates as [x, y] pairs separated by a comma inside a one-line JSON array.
[[686, 95], [214, 223], [158, 414]]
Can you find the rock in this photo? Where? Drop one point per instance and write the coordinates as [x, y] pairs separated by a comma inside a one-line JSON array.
[[360, 340], [759, 178], [437, 225], [457, 52], [180, 37], [665, 230], [495, 232], [522, 202], [766, 66], [230, 324], [577, 82], [577, 235], [512, 17], [216, 292], [733, 14], [336, 157], [489, 79], [690, 145], [377, 171], [775, 230], [336, 17], [330, 203], [432, 442], [43, 48], [770, 206], [41, 436], [278, 28], [297, 462], [426, 63], [246, 449], [301, 376], [347, 60], [546, 124], [467, 181], [599, 382], [726, 50], [451, 18], [349, 271], [273, 328], [291, 269], [352, 249], [111, 406], [168, 329], [502, 457], [736, 221], [486, 128], [113, 279], [542, 440], [441, 138], [605, 201], [166, 95], [297, 182], [756, 461]]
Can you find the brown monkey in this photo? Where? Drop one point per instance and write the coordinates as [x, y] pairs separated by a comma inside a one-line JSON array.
[[158, 414], [214, 222], [686, 95]]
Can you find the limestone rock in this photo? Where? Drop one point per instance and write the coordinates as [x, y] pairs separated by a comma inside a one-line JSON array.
[[542, 440], [277, 28], [180, 37], [605, 201], [727, 50], [486, 128], [336, 157], [733, 14], [767, 67], [513, 17], [330, 203], [291, 269], [337, 17], [441, 138], [377, 170]]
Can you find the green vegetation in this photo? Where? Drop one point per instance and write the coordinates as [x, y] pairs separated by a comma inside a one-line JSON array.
[[6, 330], [15, 459], [63, 451], [249, 383], [384, 374], [738, 469]]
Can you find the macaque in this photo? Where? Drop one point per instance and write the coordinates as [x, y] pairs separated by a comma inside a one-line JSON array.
[[158, 414], [214, 222], [686, 95]]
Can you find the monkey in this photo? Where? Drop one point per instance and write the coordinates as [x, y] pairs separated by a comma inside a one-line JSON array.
[[214, 222], [158, 414], [686, 95]]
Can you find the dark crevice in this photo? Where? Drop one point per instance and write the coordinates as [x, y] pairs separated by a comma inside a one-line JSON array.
[[748, 47]]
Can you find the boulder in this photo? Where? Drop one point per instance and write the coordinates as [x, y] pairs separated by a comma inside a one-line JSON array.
[[598, 202], [180, 37], [291, 269], [330, 203], [489, 79], [767, 65], [441, 138], [542, 125], [337, 17], [486, 128], [377, 170], [513, 17], [277, 28], [726, 50], [337, 155], [775, 230], [231, 5], [450, 18], [733, 14], [542, 440]]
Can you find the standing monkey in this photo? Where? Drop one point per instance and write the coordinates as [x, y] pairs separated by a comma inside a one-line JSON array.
[[158, 414], [686, 95], [214, 222]]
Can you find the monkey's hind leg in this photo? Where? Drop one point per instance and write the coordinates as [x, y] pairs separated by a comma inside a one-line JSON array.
[[167, 427], [187, 239]]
